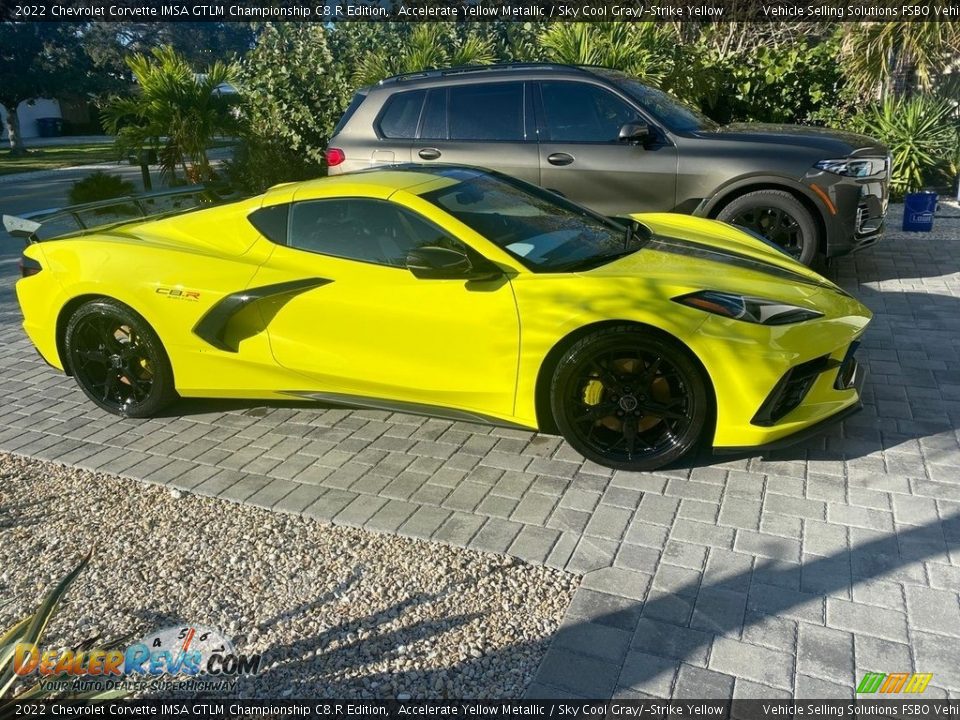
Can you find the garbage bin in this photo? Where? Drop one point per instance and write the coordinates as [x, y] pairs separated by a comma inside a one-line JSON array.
[[49, 126], [918, 211]]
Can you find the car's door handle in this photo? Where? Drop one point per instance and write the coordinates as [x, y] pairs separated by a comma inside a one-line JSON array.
[[429, 153], [559, 159]]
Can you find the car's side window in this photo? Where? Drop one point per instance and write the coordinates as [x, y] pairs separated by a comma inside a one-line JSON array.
[[401, 115], [487, 111], [364, 229], [582, 112]]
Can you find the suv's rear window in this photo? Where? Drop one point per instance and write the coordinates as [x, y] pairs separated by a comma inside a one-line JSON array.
[[402, 114]]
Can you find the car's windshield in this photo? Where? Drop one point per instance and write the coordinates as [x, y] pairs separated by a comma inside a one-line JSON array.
[[673, 113], [544, 231]]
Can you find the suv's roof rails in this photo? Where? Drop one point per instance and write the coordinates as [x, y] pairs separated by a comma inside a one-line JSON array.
[[464, 69]]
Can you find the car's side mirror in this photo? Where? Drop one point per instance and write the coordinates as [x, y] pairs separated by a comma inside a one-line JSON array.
[[438, 263], [635, 132]]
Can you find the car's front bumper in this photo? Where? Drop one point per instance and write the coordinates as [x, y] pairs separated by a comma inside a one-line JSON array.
[[854, 217], [805, 433]]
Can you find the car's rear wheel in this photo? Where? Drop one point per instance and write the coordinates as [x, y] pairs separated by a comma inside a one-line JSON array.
[[779, 217], [118, 360], [629, 398]]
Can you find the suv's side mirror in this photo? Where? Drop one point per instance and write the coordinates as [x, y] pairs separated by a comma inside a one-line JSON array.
[[636, 132], [438, 263]]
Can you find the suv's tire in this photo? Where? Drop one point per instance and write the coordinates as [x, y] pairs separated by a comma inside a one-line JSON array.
[[606, 391], [118, 360], [779, 217]]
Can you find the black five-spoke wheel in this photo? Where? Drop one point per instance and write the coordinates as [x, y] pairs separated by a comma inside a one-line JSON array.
[[117, 359], [779, 217], [629, 399]]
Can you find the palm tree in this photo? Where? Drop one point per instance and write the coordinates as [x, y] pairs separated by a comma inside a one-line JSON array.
[[176, 111], [884, 58], [428, 46]]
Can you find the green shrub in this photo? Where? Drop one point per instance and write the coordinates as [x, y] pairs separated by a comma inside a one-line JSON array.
[[259, 163], [100, 186]]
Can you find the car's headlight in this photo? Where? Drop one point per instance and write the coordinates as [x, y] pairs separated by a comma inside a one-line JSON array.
[[852, 167], [748, 309]]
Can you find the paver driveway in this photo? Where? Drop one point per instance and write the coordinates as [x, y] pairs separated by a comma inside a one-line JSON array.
[[790, 575]]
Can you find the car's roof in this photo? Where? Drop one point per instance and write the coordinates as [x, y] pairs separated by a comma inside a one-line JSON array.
[[390, 178]]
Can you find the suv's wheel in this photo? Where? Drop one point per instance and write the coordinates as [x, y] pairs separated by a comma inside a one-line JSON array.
[[779, 217], [118, 360], [629, 399]]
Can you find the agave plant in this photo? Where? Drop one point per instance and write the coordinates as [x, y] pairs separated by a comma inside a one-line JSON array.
[[920, 133], [29, 630]]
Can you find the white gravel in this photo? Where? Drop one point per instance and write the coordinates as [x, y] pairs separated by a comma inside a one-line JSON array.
[[335, 612]]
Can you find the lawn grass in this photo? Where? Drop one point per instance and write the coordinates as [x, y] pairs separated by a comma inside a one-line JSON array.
[[57, 156]]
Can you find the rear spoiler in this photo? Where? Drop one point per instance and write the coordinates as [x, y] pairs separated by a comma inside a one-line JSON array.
[[81, 218]]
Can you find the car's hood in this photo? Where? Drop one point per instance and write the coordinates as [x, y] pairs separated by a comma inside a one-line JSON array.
[[828, 139], [688, 254]]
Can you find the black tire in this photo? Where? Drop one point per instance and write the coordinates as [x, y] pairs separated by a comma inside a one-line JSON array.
[[606, 391], [780, 218], [118, 360]]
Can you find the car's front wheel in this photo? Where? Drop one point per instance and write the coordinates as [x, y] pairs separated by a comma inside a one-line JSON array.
[[118, 360], [629, 398], [780, 218]]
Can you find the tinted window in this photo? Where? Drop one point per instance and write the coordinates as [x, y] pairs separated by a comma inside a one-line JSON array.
[[373, 231], [543, 230], [402, 114], [271, 222], [435, 116], [486, 112], [579, 112], [664, 107]]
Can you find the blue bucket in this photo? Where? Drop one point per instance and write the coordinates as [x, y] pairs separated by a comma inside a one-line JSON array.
[[918, 211]]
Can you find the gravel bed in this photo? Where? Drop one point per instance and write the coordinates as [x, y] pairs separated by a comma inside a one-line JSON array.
[[334, 611]]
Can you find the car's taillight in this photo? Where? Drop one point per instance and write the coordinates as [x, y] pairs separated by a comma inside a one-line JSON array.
[[334, 156], [29, 266]]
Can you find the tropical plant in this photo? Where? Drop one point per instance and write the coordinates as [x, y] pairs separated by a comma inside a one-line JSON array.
[[176, 111], [29, 630], [100, 186], [886, 58], [920, 133], [642, 49], [426, 46]]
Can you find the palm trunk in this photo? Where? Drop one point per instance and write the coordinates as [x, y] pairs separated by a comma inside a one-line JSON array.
[[17, 148]]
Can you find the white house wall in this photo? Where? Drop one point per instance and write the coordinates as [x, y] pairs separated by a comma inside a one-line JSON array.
[[41, 108]]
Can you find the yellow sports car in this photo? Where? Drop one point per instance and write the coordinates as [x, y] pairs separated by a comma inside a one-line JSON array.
[[453, 292]]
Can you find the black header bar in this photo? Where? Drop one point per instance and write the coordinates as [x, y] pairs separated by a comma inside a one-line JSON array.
[[479, 10]]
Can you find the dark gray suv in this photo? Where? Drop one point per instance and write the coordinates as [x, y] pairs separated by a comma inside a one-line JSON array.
[[606, 140]]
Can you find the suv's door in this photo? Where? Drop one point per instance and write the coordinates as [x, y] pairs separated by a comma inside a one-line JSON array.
[[487, 124], [376, 331], [582, 158]]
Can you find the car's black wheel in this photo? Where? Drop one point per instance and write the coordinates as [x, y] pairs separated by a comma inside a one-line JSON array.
[[630, 399], [118, 360], [779, 217]]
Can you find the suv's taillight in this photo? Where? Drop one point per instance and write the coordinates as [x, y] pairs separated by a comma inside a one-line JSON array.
[[334, 156], [29, 266]]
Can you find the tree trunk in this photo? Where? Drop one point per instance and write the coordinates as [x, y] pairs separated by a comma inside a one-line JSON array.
[[17, 148]]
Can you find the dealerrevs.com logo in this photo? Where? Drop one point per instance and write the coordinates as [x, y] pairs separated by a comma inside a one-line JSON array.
[[894, 682], [182, 653]]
